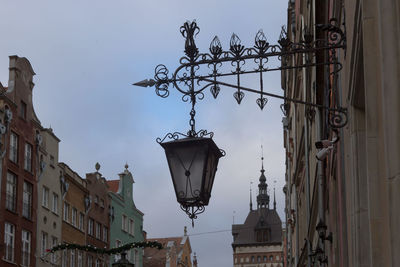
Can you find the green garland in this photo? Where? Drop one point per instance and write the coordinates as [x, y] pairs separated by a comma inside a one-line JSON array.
[[111, 251]]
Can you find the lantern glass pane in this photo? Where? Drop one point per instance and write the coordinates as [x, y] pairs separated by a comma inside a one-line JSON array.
[[212, 162], [186, 162]]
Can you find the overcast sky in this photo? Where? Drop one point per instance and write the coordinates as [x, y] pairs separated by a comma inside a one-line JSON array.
[[86, 55]]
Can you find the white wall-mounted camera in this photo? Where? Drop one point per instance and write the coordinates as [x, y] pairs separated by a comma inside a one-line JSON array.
[[325, 146]]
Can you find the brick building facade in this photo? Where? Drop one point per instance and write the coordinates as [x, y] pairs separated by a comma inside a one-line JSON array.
[[19, 164], [76, 202], [98, 216]]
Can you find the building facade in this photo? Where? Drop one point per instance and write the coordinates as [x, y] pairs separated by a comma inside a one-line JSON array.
[[75, 207], [354, 186], [176, 252], [126, 221], [258, 241], [49, 201], [98, 216], [20, 129]]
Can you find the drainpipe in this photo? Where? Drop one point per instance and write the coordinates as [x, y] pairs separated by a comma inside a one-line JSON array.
[[288, 195], [307, 163], [321, 179]]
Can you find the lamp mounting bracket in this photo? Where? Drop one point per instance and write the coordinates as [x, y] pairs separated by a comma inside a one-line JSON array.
[[199, 71]]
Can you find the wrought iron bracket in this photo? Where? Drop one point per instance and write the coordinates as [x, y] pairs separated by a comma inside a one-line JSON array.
[[199, 71]]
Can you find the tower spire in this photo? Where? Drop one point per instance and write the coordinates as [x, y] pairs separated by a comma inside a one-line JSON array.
[[274, 200], [251, 198], [263, 197], [262, 159]]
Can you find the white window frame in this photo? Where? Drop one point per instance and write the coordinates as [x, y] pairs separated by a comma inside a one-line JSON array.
[[81, 221], [74, 215], [11, 192], [90, 226], [44, 243], [45, 197], [28, 157], [80, 259], [117, 257], [53, 257], [131, 227], [64, 262], [9, 240], [89, 261], [105, 233], [66, 212], [13, 153], [98, 230], [98, 263], [26, 248], [124, 223], [54, 206], [72, 256], [27, 200]]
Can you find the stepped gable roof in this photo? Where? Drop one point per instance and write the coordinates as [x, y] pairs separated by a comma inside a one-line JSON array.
[[113, 185], [244, 234]]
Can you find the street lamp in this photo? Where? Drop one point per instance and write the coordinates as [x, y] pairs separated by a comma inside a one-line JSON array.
[[193, 163], [193, 157]]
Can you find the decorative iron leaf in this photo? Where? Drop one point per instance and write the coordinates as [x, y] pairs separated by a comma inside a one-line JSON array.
[[238, 96], [261, 102], [215, 90]]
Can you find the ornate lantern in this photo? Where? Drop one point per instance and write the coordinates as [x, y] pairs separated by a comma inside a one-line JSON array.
[[193, 163]]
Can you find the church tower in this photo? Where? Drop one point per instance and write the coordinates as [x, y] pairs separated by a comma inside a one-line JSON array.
[[263, 197], [258, 241]]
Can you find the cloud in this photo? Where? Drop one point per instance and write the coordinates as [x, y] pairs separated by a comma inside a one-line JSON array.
[[87, 54]]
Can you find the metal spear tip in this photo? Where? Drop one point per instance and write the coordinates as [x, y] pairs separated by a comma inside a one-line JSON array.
[[145, 83]]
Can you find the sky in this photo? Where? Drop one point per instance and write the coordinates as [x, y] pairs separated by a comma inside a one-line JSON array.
[[87, 54]]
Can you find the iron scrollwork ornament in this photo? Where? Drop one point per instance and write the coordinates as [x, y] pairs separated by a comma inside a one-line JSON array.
[[198, 71]]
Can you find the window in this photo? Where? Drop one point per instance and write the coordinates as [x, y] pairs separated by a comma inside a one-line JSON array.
[[11, 192], [117, 257], [72, 263], [66, 212], [98, 230], [124, 223], [9, 235], [252, 259], [53, 257], [44, 242], [136, 259], [52, 161], [80, 259], [74, 216], [45, 197], [26, 248], [96, 199], [258, 258], [54, 207], [102, 203], [27, 200], [22, 112], [265, 258], [98, 262], [89, 261], [28, 157], [129, 256], [13, 155], [105, 234], [131, 227], [64, 262], [271, 258], [90, 226], [81, 219]]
